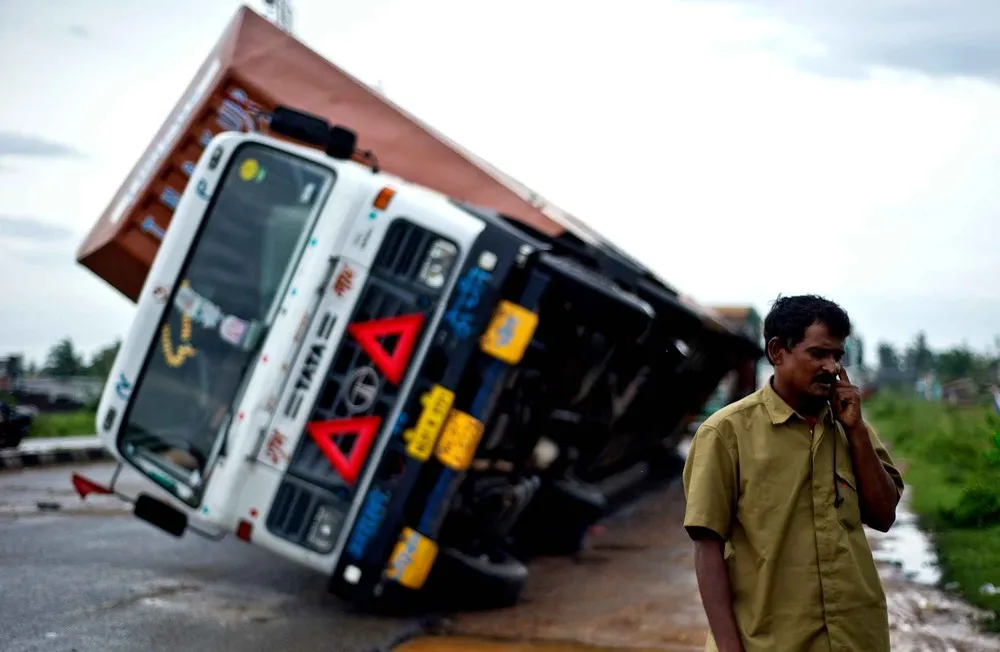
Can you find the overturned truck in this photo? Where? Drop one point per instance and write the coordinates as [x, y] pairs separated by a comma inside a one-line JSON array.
[[364, 349]]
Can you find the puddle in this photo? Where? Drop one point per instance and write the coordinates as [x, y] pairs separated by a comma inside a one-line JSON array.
[[907, 548], [465, 644]]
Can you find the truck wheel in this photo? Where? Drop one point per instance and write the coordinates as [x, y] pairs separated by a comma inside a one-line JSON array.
[[466, 582], [557, 520]]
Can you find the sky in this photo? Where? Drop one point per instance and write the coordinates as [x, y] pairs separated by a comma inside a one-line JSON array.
[[742, 149]]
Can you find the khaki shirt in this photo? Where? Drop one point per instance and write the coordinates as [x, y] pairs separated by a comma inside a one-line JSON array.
[[801, 568]]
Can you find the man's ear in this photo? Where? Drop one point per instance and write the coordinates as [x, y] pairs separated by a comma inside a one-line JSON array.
[[775, 351]]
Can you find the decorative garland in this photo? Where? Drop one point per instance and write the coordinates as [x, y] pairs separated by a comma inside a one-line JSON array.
[[185, 350]]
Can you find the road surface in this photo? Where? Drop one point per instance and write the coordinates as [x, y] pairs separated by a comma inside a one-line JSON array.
[[92, 578]]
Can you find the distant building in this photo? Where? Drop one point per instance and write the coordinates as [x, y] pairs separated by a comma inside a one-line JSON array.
[[77, 389]]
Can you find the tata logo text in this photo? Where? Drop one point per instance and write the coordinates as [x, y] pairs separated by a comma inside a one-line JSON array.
[[468, 295], [310, 367], [371, 517]]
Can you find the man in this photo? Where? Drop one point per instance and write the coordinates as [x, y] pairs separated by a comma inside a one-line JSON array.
[[778, 486]]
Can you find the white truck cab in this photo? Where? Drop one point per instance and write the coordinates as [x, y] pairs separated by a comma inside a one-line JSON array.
[[252, 291]]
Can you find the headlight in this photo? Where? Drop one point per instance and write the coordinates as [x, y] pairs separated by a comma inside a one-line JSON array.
[[438, 263], [325, 526]]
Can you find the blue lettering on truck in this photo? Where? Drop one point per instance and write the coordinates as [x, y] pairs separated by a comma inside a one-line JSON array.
[[469, 292], [369, 521]]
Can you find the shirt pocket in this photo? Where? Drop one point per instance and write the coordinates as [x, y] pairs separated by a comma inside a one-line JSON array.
[[849, 511]]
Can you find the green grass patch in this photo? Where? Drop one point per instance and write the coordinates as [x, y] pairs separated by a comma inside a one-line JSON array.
[[65, 424], [951, 458]]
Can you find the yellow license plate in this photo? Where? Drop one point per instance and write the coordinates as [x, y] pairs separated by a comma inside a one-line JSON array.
[[459, 440], [509, 333], [412, 559], [421, 438]]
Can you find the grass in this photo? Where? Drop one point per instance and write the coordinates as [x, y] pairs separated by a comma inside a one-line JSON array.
[[952, 461], [65, 424], [60, 424]]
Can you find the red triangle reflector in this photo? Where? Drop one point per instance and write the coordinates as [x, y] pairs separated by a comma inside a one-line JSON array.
[[363, 429], [393, 365], [84, 486]]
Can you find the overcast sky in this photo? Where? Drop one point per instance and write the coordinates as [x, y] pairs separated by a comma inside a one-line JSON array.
[[847, 148]]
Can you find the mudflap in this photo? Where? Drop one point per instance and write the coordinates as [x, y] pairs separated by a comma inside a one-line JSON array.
[[158, 513]]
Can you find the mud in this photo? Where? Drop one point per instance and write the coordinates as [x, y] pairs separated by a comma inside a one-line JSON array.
[[922, 615], [634, 589]]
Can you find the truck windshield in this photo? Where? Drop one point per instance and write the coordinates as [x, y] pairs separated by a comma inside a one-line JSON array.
[[240, 263]]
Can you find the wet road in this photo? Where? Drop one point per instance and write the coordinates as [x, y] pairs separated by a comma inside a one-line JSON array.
[[92, 578], [634, 587]]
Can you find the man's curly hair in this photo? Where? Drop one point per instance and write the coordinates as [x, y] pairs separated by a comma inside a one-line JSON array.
[[791, 316]]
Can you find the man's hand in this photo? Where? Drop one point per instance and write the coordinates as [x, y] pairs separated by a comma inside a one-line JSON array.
[[846, 403]]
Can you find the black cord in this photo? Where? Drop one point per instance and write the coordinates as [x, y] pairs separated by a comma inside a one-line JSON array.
[[838, 499]]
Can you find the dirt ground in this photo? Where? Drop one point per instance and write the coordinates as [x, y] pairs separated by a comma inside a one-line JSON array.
[[634, 588]]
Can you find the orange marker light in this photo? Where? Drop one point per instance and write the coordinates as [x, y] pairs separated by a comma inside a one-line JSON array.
[[384, 197]]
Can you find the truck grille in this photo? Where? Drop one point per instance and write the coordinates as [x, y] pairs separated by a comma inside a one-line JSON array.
[[391, 290]]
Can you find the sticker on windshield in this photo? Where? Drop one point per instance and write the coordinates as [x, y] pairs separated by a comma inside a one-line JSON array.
[[233, 330], [308, 193], [208, 314], [187, 299], [193, 305], [249, 169]]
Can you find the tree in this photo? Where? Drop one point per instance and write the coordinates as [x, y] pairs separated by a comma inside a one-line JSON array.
[[103, 359], [958, 362], [888, 359], [63, 360], [919, 358]]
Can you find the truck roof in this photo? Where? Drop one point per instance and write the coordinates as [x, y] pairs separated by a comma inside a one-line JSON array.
[[254, 67]]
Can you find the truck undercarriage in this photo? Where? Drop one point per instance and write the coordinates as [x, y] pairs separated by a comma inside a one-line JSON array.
[[616, 369]]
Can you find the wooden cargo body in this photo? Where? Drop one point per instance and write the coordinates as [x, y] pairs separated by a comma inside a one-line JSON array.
[[256, 66]]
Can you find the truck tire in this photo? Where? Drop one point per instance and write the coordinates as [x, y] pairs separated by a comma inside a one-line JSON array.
[[557, 520], [469, 582]]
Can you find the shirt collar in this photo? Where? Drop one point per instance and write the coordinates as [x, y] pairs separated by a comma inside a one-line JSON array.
[[779, 410]]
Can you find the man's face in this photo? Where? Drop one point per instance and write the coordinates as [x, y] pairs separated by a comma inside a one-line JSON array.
[[810, 368]]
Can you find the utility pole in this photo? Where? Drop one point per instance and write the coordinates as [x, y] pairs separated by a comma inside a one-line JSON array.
[[279, 12]]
